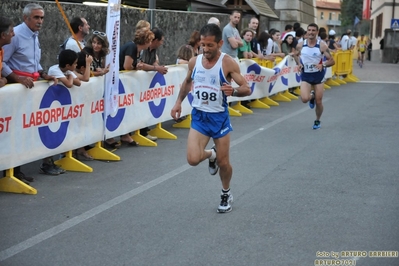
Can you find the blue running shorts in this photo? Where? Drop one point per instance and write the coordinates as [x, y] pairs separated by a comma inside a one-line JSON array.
[[313, 78], [214, 125]]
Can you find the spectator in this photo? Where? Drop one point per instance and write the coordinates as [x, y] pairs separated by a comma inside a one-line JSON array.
[[231, 37], [64, 70], [184, 54], [245, 51], [299, 33], [345, 40], [369, 48], [353, 40], [321, 30], [288, 28], [253, 25], [6, 34], [214, 20], [263, 44], [275, 42], [80, 29], [287, 46], [194, 42], [21, 64], [297, 26], [150, 62], [143, 24], [129, 57], [82, 70], [98, 48], [382, 42], [332, 44]]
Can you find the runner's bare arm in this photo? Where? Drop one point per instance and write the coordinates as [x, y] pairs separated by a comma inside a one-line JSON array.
[[233, 70], [297, 53]]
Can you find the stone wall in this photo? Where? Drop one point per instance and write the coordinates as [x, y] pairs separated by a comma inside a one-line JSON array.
[[176, 25]]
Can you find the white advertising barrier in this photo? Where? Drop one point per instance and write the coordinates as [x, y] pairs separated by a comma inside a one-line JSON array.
[[265, 81], [48, 120]]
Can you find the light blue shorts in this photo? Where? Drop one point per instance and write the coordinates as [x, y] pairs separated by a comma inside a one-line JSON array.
[[214, 125]]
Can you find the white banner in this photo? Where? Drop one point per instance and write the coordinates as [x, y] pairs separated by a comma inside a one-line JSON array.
[[112, 77]]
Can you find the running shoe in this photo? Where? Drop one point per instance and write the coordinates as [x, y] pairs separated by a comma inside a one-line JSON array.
[[213, 165], [316, 124], [225, 205], [311, 102]]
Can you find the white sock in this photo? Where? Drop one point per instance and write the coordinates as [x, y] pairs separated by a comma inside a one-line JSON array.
[[213, 155]]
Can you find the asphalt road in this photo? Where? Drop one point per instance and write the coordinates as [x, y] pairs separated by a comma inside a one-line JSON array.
[[297, 192]]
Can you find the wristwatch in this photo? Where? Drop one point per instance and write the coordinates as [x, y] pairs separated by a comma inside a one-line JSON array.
[[235, 92]]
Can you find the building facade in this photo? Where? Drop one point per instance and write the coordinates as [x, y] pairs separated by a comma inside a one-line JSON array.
[[328, 15]]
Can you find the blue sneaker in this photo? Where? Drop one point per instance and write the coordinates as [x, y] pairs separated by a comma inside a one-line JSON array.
[[316, 124], [311, 102]]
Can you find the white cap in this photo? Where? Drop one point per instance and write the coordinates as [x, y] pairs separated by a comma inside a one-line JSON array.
[[331, 32]]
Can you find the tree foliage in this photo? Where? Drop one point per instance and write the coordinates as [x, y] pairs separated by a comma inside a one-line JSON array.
[[349, 10]]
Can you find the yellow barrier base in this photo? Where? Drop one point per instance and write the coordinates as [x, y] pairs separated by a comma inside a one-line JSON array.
[[242, 108], [348, 78], [354, 77], [258, 104], [289, 95], [161, 133], [268, 101], [326, 86], [11, 184], [71, 164], [297, 90], [331, 82], [143, 141], [233, 112], [280, 98], [340, 81], [99, 153], [186, 123]]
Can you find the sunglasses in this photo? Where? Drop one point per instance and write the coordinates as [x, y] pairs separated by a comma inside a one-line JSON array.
[[102, 34]]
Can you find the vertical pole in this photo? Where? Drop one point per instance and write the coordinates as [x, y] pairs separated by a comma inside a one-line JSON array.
[[152, 7]]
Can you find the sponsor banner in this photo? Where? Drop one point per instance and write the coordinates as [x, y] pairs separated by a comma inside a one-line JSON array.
[[49, 120]]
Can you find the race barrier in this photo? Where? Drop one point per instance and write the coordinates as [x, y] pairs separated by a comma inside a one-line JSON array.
[[50, 119]]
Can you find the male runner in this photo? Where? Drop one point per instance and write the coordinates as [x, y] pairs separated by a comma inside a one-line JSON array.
[[210, 74], [312, 52]]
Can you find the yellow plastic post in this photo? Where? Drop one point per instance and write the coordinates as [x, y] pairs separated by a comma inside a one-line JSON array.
[[99, 153], [143, 141], [289, 95], [186, 123], [71, 164], [242, 109], [258, 104], [161, 133], [268, 101], [233, 112], [280, 98], [11, 184]]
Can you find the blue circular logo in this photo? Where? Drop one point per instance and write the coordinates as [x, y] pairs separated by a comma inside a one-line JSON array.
[[255, 68], [61, 94], [113, 122], [157, 110]]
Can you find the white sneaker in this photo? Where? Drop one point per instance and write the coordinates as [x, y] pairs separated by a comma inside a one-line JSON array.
[[213, 166], [225, 205], [153, 138]]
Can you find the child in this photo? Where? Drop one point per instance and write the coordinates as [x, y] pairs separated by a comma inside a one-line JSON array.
[[184, 54], [82, 70], [67, 61], [245, 51]]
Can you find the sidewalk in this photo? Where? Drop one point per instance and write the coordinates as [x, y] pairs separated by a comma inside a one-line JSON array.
[[374, 71]]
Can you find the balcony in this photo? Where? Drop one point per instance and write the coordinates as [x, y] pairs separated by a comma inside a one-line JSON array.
[[333, 22]]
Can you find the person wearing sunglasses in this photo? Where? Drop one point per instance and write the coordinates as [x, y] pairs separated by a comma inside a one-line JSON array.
[[80, 29], [98, 47]]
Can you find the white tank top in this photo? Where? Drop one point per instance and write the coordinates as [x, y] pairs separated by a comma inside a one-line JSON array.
[[206, 92], [310, 57]]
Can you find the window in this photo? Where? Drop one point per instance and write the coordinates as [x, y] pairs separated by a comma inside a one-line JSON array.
[[321, 15], [378, 26], [330, 16]]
